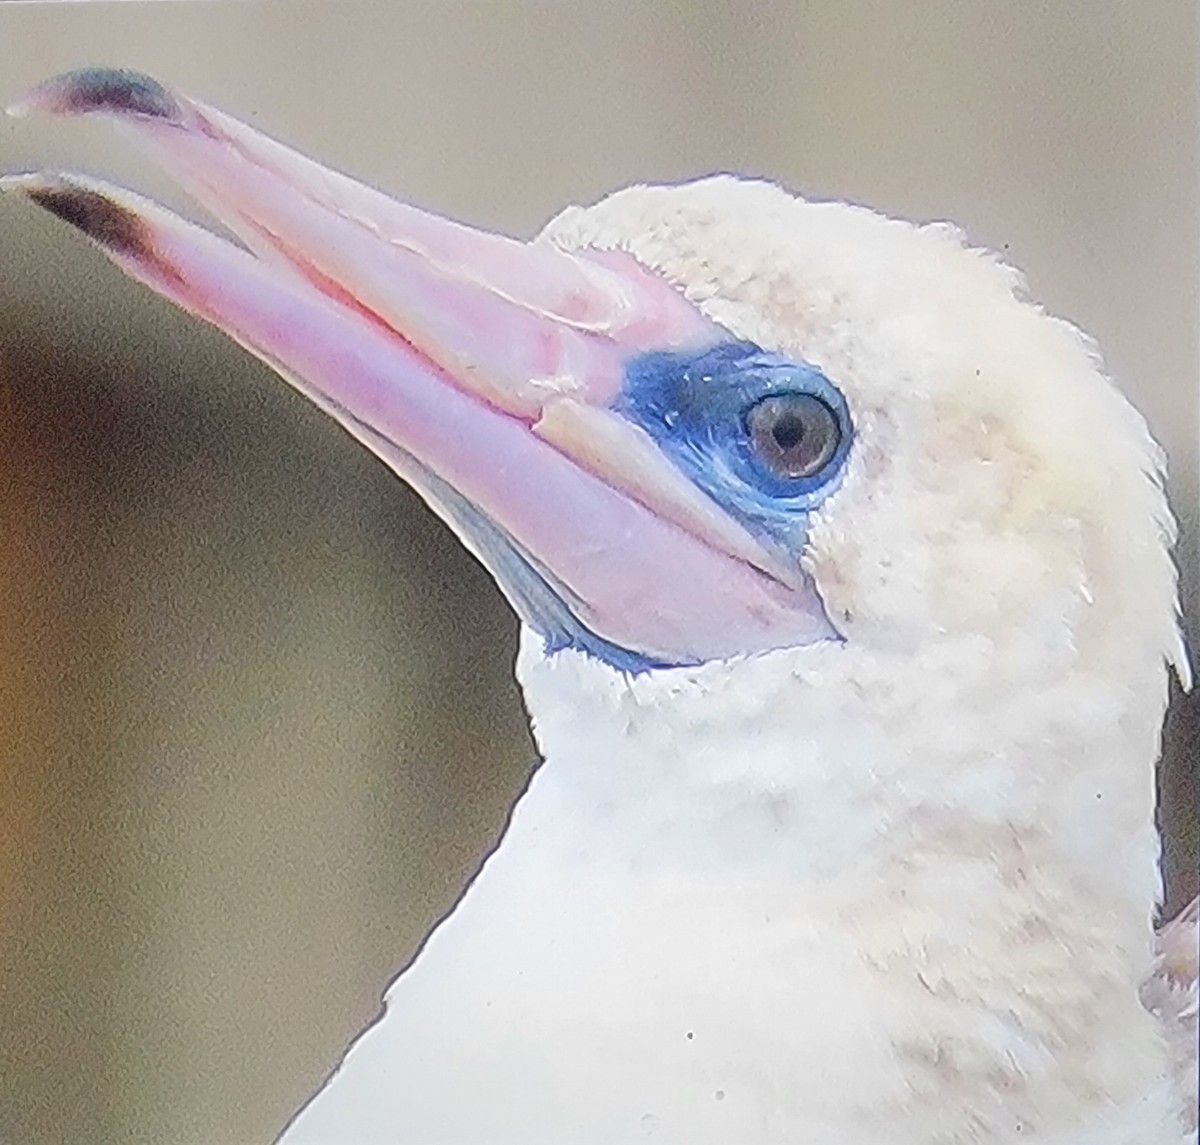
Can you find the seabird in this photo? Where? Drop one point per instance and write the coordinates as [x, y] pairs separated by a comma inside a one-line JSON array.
[[847, 616]]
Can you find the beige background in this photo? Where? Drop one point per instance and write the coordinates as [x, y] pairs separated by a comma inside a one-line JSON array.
[[256, 713]]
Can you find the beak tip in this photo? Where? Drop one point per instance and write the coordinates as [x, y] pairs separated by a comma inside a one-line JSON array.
[[115, 91], [111, 225]]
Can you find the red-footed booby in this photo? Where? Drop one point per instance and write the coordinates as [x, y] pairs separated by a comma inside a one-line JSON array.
[[847, 615]]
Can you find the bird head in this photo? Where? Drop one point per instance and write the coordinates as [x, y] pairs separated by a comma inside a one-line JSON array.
[[685, 424], [992, 484]]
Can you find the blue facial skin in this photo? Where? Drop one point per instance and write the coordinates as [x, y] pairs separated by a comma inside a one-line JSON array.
[[694, 406]]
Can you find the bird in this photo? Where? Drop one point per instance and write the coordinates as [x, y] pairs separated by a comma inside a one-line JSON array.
[[847, 618]]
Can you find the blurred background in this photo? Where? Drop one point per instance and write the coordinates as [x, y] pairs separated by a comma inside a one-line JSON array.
[[257, 719]]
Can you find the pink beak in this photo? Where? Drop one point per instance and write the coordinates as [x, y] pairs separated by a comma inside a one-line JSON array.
[[481, 369]]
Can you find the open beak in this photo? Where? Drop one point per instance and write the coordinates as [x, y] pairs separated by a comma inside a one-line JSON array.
[[481, 369]]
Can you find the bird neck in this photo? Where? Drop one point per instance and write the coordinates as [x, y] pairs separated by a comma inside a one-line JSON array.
[[933, 779], [855, 879]]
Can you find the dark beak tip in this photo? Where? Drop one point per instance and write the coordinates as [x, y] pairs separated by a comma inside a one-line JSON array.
[[111, 225], [113, 90]]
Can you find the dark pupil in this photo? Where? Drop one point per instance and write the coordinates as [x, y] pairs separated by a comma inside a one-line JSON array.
[[788, 431], [794, 435]]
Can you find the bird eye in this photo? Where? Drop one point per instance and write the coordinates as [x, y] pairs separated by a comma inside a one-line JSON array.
[[794, 435]]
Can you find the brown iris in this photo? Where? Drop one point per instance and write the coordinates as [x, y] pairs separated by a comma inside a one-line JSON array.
[[794, 435]]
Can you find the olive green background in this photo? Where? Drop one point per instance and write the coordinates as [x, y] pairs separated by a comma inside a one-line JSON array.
[[256, 711]]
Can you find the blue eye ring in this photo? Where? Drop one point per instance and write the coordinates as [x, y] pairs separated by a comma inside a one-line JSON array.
[[793, 436], [699, 409]]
